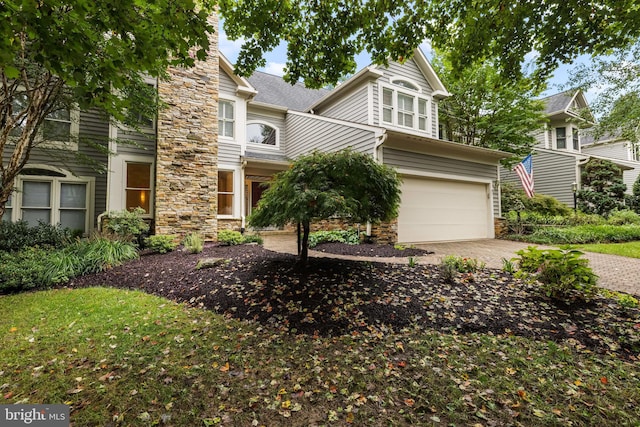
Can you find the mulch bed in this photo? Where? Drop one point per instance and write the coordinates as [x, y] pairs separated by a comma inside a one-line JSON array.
[[331, 297], [370, 250]]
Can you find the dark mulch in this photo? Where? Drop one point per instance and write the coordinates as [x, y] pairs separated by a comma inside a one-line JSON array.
[[331, 297], [370, 250]]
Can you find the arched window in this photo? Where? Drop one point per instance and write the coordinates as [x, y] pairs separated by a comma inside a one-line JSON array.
[[262, 133], [403, 105], [406, 84]]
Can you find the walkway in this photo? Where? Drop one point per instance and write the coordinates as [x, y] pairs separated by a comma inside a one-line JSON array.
[[616, 272]]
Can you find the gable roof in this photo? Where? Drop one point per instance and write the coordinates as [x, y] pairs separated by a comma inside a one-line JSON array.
[[244, 87], [373, 72], [567, 105], [273, 90]]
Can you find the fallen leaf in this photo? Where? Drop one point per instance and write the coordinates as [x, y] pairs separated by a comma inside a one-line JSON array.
[[409, 402], [604, 380], [225, 368], [13, 329]]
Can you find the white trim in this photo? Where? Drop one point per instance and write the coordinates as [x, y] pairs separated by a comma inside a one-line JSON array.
[[416, 87], [56, 183], [442, 176], [370, 98], [117, 180], [261, 145], [394, 113], [238, 190]]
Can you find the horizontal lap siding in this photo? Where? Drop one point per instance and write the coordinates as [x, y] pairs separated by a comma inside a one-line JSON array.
[[227, 84], [277, 122], [229, 154], [306, 134], [441, 165], [352, 107], [553, 175], [616, 150]]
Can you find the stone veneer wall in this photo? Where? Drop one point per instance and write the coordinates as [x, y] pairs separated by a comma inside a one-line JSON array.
[[187, 148], [384, 233]]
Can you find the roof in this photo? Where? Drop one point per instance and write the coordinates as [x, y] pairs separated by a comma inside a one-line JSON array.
[[274, 90], [558, 102]]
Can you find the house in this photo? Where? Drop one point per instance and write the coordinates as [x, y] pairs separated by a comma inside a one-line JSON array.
[[559, 154], [617, 149], [201, 165]]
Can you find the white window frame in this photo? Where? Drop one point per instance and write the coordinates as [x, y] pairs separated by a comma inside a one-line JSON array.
[[233, 102], [151, 189], [236, 192], [416, 94], [267, 146], [555, 137], [56, 182], [117, 181], [575, 139], [74, 131]]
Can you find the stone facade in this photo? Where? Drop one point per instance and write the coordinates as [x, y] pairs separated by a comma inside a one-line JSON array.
[[187, 148], [384, 233]]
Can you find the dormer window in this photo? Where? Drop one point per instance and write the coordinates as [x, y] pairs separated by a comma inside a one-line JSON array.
[[262, 134], [403, 105], [561, 138]]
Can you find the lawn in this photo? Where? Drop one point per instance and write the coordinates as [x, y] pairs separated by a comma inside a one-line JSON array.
[[128, 358], [254, 340], [628, 249]]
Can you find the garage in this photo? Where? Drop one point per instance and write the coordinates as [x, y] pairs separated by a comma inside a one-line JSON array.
[[443, 210]]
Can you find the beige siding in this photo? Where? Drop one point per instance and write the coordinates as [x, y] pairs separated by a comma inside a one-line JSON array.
[[615, 150], [227, 85], [352, 107], [443, 166], [553, 175], [308, 133]]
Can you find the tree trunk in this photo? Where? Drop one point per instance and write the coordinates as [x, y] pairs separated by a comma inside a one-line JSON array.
[[304, 253]]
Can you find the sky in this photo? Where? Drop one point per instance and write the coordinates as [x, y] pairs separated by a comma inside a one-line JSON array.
[[276, 61]]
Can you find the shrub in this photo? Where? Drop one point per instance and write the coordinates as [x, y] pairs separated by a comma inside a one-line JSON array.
[[252, 238], [193, 242], [547, 205], [128, 225], [161, 243], [22, 270], [87, 256], [15, 236], [350, 237], [562, 273], [623, 217], [602, 187], [230, 237], [583, 234], [451, 265]]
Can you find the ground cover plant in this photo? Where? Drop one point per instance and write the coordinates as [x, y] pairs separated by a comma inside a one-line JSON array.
[[628, 249], [121, 357]]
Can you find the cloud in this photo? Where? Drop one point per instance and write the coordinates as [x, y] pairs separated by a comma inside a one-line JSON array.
[[276, 68], [229, 48]]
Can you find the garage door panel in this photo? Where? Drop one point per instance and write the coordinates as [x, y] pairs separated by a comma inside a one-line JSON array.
[[433, 210]]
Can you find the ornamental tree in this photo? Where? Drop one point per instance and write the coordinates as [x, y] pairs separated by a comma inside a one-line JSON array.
[[344, 184], [323, 37], [602, 188], [86, 54]]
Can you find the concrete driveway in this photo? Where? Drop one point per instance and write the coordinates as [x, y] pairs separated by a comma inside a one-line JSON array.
[[616, 272]]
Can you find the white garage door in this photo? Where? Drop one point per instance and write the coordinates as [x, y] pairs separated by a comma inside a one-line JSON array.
[[440, 210]]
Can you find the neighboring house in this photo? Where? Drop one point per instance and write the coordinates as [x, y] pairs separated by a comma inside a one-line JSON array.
[[201, 166], [559, 155], [619, 150]]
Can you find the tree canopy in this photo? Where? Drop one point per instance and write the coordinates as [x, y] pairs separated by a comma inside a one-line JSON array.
[[602, 188], [86, 54], [343, 184], [323, 37], [488, 111]]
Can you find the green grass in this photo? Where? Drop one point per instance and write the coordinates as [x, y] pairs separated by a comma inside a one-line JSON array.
[[629, 249], [128, 358]]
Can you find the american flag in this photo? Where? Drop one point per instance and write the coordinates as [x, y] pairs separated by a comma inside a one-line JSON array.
[[524, 169]]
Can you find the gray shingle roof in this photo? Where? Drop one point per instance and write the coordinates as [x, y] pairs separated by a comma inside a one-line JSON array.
[[558, 102], [275, 91]]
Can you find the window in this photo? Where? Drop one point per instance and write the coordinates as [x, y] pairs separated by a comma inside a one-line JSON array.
[[59, 129], [400, 107], [51, 197], [7, 210], [635, 151], [225, 193], [138, 186], [258, 133], [561, 138], [226, 118], [576, 140]]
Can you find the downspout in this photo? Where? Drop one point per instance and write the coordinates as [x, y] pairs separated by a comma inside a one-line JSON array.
[[243, 197], [378, 158]]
